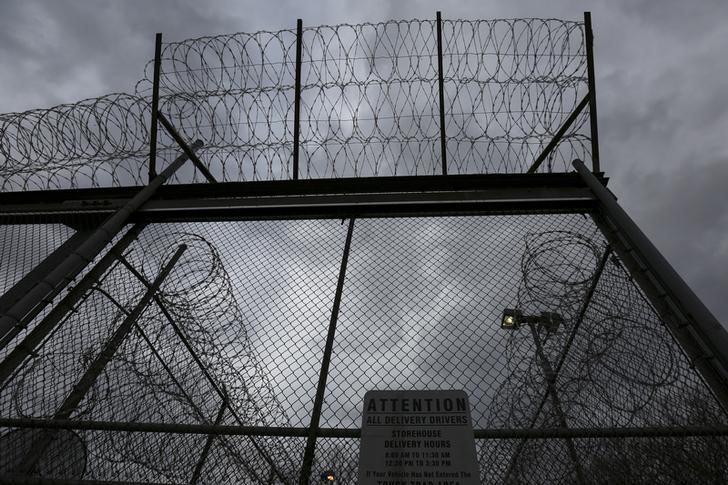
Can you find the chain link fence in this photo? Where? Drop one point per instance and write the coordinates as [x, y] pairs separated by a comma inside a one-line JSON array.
[[235, 337]]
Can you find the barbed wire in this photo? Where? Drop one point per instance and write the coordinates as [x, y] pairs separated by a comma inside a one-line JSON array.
[[369, 106]]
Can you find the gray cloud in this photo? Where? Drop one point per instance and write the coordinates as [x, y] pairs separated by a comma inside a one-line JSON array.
[[684, 213]]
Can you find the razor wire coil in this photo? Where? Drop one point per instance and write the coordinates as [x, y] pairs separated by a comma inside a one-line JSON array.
[[369, 106]]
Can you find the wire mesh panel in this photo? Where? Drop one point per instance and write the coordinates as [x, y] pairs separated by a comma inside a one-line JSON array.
[[235, 337], [241, 351], [369, 106], [243, 305], [422, 306]]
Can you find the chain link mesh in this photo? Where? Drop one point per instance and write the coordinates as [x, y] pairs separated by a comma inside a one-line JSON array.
[[369, 106], [237, 336], [532, 315]]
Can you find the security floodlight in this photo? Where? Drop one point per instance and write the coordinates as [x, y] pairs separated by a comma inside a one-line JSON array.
[[511, 319], [328, 476], [551, 321]]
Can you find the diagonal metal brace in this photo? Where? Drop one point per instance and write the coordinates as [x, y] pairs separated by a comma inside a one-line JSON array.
[[185, 148], [221, 392], [559, 134], [18, 317]]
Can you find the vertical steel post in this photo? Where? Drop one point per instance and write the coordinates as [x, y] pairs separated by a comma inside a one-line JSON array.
[[550, 378], [297, 98], [441, 85], [88, 378], [155, 107], [592, 91], [323, 375], [24, 310]]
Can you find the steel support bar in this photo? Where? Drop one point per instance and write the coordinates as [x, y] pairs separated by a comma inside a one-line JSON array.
[[201, 416], [323, 375], [297, 432], [559, 134], [155, 107], [39, 201], [187, 149], [297, 99], [582, 311], [339, 198], [555, 373], [592, 91], [441, 93], [88, 378], [700, 334], [43, 268], [36, 336], [185, 342], [550, 380], [208, 443], [22, 313], [575, 329]]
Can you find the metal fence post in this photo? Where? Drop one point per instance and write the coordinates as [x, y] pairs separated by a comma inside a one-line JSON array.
[[155, 107], [440, 83], [28, 281], [297, 99], [321, 388], [592, 91]]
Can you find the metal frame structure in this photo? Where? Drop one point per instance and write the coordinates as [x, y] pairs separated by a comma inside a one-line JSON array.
[[690, 322]]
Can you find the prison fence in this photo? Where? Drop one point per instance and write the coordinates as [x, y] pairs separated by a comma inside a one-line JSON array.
[[238, 350], [416, 97]]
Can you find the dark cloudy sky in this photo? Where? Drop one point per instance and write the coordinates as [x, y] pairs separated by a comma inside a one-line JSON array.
[[661, 69]]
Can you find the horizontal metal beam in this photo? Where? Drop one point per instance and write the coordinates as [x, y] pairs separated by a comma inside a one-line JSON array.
[[493, 433], [333, 198]]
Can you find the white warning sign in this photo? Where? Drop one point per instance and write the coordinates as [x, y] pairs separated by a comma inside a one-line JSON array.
[[417, 438]]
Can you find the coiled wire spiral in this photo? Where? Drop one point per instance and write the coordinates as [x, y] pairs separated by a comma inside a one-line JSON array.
[[369, 106]]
